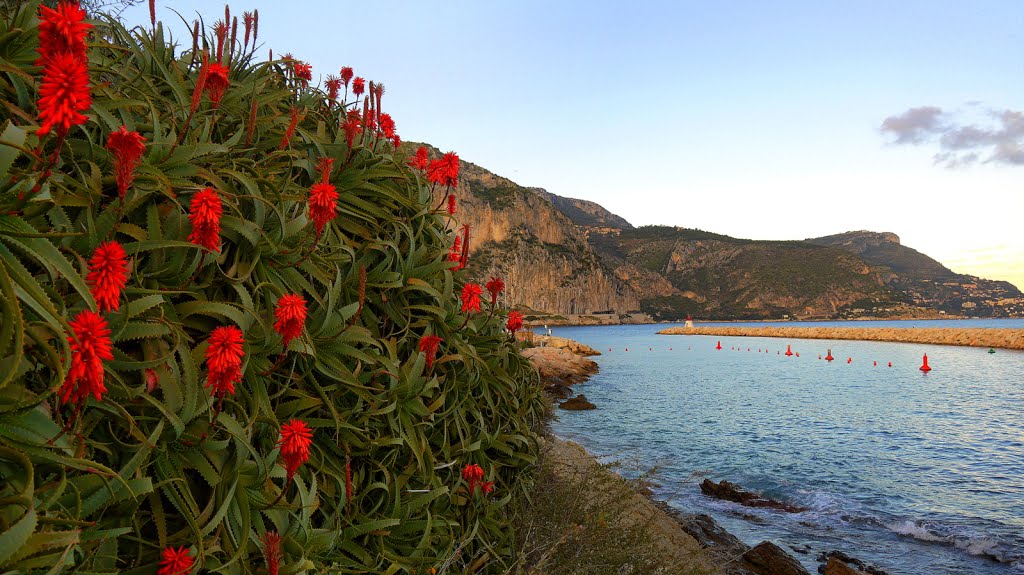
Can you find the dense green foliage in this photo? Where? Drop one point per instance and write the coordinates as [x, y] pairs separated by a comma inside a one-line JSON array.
[[155, 464]]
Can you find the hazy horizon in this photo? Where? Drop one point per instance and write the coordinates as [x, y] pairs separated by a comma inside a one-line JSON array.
[[788, 121]]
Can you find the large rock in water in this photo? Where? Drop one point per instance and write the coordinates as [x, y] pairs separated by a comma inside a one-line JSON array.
[[566, 344], [578, 403], [732, 492], [767, 558], [560, 367], [709, 533]]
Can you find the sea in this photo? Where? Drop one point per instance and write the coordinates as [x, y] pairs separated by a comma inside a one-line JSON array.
[[916, 473]]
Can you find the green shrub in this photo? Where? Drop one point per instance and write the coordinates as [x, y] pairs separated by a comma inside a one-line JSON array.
[[157, 463]]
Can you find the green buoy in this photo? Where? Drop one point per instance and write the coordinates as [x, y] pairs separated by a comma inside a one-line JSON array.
[[990, 350]]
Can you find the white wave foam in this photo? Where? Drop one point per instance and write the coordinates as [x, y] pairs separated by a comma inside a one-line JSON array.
[[981, 546], [916, 531], [973, 545]]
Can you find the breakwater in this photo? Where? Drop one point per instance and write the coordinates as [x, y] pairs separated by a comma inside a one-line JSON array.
[[975, 337]]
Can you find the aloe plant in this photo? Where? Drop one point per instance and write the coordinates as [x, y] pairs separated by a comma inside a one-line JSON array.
[[157, 463]]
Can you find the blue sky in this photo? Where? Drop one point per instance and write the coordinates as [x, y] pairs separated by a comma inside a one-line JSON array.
[[753, 119]]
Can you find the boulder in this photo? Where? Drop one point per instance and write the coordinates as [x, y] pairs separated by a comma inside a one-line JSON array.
[[839, 563], [559, 391], [731, 492], [577, 403], [839, 567], [767, 558], [709, 533], [558, 366]]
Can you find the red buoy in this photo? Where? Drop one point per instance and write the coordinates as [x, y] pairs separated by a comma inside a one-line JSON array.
[[788, 351], [719, 346], [874, 363], [890, 364], [849, 360], [829, 356], [924, 366], [797, 354], [627, 349]]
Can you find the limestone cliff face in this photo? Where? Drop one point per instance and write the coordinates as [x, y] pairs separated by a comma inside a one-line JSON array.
[[544, 259]]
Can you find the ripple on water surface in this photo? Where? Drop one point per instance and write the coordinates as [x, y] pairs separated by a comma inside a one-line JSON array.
[[915, 473]]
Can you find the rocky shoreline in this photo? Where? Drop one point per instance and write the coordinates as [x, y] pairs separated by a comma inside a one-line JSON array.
[[562, 364], [1002, 338]]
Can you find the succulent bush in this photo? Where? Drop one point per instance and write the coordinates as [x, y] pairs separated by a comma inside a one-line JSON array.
[[158, 462]]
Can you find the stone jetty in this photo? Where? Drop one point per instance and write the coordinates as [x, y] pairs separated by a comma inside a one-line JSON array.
[[974, 337]]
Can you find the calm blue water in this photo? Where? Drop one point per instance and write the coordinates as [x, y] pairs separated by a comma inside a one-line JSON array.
[[919, 474]]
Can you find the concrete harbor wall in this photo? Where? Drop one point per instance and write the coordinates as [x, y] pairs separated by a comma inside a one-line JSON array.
[[974, 337]]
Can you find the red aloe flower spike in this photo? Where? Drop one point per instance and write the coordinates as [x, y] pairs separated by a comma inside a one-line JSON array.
[[333, 85], [428, 345], [495, 287], [515, 322], [455, 254], [224, 360], [175, 561], [367, 125], [255, 26], [296, 437], [379, 94], [324, 166], [472, 473], [387, 125], [64, 93], [197, 92], [444, 171], [195, 44], [217, 83], [127, 148], [220, 29], [152, 13], [62, 31], [247, 19], [290, 131], [303, 71], [352, 126], [396, 141], [108, 274], [290, 314], [486, 487], [451, 204], [270, 544], [90, 346], [420, 160], [471, 297], [323, 205], [205, 212], [346, 75], [234, 37], [358, 86]]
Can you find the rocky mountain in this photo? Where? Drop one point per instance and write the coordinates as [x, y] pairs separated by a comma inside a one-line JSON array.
[[572, 260], [884, 249], [544, 259], [678, 271], [915, 279], [584, 213]]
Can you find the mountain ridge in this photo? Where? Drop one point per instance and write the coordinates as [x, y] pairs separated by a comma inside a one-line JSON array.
[[573, 260]]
